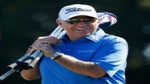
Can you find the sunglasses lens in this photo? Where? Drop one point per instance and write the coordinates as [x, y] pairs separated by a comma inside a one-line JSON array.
[[77, 20], [89, 20], [73, 21]]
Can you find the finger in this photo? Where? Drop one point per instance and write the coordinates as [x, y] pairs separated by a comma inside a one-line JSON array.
[[48, 39]]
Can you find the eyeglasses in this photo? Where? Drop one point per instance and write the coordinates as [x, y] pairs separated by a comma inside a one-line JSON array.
[[87, 20]]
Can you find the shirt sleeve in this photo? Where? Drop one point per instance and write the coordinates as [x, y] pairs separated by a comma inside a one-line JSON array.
[[112, 55]]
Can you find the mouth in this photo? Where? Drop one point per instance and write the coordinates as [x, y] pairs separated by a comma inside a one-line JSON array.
[[80, 29]]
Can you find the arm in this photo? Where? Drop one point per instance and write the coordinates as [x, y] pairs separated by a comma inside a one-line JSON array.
[[81, 67], [31, 74]]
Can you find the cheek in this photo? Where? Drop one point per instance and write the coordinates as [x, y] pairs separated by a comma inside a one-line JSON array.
[[63, 26], [94, 26], [67, 27]]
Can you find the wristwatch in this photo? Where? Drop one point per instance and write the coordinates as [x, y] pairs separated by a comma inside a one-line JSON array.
[[56, 55]]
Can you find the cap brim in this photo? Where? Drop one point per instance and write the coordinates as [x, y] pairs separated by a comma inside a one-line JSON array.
[[83, 14]]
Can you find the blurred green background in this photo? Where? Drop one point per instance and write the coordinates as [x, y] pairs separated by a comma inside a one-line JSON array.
[[22, 21]]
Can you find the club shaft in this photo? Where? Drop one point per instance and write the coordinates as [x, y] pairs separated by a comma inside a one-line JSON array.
[[5, 75]]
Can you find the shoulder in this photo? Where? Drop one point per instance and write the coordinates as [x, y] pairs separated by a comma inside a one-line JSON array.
[[113, 39]]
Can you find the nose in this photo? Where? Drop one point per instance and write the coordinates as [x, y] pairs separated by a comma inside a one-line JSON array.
[[81, 24]]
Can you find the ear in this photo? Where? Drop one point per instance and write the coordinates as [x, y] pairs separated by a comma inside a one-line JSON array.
[[98, 20], [59, 22]]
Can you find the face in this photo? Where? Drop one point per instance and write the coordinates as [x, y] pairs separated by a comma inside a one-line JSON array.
[[79, 26]]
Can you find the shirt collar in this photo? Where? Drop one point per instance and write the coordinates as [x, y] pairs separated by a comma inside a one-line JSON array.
[[97, 35]]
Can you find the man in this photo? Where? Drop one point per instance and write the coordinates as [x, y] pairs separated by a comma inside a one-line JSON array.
[[84, 55]]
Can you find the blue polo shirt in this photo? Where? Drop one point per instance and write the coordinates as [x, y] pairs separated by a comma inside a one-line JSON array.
[[107, 51]]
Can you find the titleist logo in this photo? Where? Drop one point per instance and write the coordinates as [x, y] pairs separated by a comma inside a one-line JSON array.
[[76, 9]]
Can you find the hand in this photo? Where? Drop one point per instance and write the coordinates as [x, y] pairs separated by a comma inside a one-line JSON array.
[[45, 45]]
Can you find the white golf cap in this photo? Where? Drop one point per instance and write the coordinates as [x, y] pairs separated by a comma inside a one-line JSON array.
[[74, 10]]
